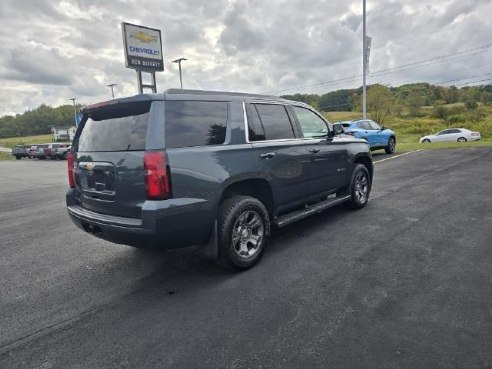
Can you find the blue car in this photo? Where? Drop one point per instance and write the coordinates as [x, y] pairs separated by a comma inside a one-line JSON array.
[[378, 137]]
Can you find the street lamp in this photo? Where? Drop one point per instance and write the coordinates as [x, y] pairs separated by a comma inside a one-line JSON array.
[[364, 61], [180, 75], [111, 86], [74, 110]]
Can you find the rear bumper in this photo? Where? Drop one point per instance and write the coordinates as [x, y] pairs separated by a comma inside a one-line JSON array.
[[165, 224]]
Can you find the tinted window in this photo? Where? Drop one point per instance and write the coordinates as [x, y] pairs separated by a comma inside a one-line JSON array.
[[374, 125], [311, 124], [360, 125], [195, 123], [114, 134], [275, 121], [445, 132], [255, 129]]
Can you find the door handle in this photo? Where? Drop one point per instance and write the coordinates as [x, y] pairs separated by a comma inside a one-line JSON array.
[[314, 151], [267, 155]]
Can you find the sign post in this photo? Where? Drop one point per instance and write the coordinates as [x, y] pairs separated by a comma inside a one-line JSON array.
[[143, 52]]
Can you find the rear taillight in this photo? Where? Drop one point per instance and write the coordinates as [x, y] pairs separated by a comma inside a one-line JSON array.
[[475, 133], [71, 181], [157, 179]]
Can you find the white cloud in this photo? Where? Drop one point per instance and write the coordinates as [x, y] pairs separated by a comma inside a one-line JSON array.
[[55, 50]]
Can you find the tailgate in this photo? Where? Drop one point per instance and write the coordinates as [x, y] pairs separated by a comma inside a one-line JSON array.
[[109, 160]]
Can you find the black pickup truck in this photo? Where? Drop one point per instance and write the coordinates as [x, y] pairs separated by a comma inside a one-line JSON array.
[[215, 169]]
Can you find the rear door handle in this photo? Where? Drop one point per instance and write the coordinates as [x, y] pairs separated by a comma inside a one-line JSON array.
[[267, 155], [314, 151]]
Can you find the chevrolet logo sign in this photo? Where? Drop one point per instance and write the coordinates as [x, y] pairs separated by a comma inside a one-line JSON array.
[[143, 37]]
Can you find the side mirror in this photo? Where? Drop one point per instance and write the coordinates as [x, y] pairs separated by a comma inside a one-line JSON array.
[[337, 130], [383, 128]]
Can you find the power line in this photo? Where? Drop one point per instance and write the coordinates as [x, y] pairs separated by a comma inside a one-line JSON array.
[[408, 66]]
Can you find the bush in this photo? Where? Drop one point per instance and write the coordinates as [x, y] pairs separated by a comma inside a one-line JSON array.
[[456, 118], [470, 104]]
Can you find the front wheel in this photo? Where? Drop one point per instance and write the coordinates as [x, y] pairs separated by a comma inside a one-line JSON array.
[[462, 139], [243, 230], [390, 149], [18, 157], [426, 141], [360, 187]]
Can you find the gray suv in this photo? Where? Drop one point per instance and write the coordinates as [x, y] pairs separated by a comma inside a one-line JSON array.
[[214, 169]]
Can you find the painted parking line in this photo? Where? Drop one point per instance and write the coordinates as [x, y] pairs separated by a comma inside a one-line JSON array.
[[397, 156]]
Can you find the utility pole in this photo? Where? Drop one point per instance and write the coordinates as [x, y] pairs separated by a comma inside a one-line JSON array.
[[364, 61], [180, 75], [74, 110], [111, 86]]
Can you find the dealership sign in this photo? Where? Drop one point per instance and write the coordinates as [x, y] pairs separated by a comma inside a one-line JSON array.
[[143, 48]]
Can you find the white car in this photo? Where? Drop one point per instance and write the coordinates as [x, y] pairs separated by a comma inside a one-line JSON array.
[[452, 134]]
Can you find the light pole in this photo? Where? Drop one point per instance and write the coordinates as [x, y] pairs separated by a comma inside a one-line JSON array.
[[111, 86], [364, 61], [180, 75], [74, 110]]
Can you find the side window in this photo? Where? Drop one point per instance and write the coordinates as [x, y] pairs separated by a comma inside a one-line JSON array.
[[275, 121], [255, 129], [445, 132], [195, 123], [311, 124], [374, 125], [454, 131], [360, 125]]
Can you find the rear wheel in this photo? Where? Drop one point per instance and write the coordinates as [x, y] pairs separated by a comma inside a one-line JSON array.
[[243, 230], [360, 187], [64, 156], [18, 157], [390, 149], [462, 139]]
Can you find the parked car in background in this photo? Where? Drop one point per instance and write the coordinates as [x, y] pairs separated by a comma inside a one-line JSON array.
[[452, 134], [60, 152], [39, 151], [52, 150], [21, 151], [378, 137]]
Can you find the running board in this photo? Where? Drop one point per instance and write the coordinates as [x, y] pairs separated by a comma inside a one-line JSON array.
[[310, 210]]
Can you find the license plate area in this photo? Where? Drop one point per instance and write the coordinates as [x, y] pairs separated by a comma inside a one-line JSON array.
[[97, 180]]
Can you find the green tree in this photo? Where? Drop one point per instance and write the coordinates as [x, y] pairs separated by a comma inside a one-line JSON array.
[[470, 104], [379, 102]]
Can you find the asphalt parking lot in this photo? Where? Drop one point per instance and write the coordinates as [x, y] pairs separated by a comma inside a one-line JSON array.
[[404, 283]]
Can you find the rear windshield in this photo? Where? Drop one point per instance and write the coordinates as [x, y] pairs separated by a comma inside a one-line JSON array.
[[195, 123], [120, 128]]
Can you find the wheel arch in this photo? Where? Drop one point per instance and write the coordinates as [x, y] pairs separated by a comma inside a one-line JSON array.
[[255, 187], [367, 162]]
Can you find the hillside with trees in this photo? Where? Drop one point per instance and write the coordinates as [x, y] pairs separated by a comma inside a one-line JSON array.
[[405, 101], [37, 121]]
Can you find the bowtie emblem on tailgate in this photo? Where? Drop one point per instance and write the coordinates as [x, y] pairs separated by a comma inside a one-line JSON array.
[[90, 166]]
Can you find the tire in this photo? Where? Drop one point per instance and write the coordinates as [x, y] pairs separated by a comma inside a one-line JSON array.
[[426, 141], [64, 156], [18, 157], [360, 187], [461, 139], [242, 221], [390, 149]]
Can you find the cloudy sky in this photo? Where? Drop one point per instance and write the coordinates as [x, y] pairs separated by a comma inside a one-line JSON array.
[[54, 50]]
